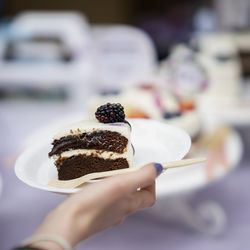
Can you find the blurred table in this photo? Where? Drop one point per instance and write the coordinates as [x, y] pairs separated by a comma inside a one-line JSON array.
[[23, 208]]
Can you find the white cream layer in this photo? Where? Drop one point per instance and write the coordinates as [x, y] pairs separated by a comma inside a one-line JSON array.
[[89, 126], [128, 155]]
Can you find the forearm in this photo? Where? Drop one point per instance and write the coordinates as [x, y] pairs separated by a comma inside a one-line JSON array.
[[58, 229]]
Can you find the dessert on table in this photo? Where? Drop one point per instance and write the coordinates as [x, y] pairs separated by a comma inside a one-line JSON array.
[[96, 145], [153, 101]]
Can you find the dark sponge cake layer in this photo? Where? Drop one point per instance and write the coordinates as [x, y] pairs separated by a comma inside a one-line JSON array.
[[99, 140], [77, 166]]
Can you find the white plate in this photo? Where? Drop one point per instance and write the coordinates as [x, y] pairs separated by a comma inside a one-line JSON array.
[[152, 140]]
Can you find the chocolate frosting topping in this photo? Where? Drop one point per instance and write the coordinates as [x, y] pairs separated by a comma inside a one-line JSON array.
[[99, 140]]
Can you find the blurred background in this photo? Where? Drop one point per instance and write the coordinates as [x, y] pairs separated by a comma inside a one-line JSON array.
[[185, 63]]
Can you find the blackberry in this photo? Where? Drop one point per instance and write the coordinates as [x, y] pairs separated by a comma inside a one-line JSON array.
[[110, 113]]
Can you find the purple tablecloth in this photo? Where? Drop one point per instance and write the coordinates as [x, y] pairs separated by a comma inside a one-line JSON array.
[[22, 208]]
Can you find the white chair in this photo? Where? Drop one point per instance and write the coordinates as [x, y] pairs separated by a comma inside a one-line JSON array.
[[70, 28], [122, 55]]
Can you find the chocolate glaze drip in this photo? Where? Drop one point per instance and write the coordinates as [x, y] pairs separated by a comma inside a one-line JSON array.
[[133, 149], [130, 130], [125, 121], [99, 140]]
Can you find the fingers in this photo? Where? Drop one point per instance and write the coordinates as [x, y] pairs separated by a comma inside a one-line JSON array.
[[143, 198], [117, 187], [130, 182], [138, 200]]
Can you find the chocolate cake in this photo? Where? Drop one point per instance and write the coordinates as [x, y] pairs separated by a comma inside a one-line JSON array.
[[91, 146]]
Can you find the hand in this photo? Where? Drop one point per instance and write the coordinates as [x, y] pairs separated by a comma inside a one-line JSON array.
[[100, 205]]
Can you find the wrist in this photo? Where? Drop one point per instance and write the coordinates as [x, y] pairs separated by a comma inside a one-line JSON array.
[[48, 242], [77, 228], [48, 245], [62, 222]]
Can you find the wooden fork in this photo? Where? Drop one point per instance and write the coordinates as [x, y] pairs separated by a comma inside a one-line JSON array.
[[81, 180]]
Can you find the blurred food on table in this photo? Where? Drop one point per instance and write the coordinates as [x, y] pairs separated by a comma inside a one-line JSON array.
[[216, 147], [151, 101]]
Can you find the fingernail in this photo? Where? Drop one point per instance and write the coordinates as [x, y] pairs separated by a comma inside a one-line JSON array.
[[158, 168]]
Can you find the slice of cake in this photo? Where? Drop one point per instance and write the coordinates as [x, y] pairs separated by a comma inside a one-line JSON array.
[[93, 146]]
